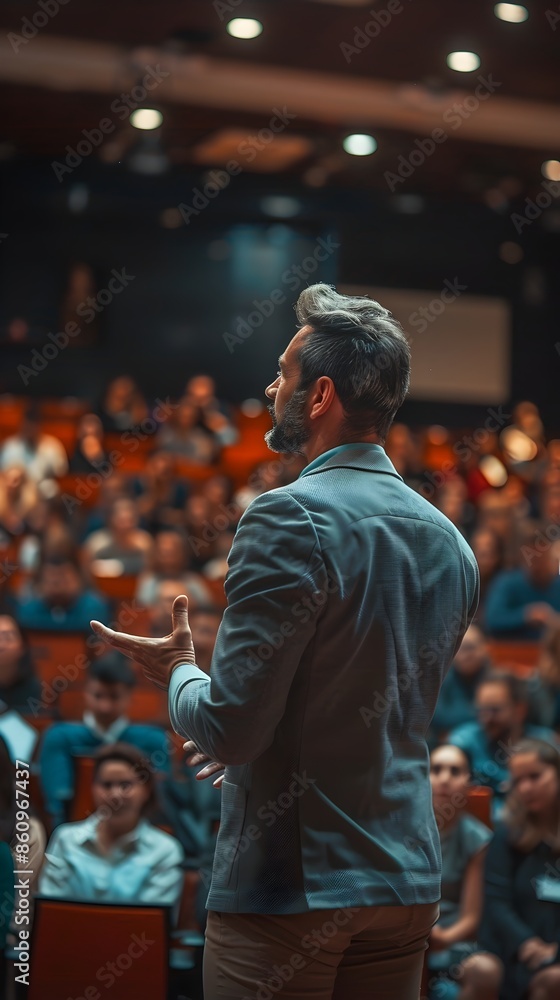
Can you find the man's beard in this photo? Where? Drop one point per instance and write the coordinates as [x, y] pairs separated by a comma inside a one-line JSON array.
[[289, 434]]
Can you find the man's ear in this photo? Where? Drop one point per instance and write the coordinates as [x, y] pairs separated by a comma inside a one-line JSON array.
[[322, 397]]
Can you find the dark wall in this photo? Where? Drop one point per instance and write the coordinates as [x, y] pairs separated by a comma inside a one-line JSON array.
[[216, 293]]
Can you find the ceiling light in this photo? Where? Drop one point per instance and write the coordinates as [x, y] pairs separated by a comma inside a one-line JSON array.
[[463, 62], [359, 145], [146, 118], [244, 27], [513, 12], [551, 170]]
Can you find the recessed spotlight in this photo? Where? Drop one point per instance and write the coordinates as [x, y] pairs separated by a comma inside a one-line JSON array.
[[146, 118], [359, 144], [244, 27], [463, 62], [551, 170], [513, 12]]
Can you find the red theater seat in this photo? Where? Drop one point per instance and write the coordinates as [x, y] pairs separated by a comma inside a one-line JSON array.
[[73, 946]]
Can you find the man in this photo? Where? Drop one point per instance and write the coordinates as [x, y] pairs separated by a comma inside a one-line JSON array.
[[60, 601], [107, 695], [348, 595], [456, 703], [521, 602], [501, 704]]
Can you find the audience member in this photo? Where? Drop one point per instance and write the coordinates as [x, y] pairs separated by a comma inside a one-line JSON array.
[[169, 561], [123, 406], [42, 455], [456, 702], [520, 930], [161, 496], [464, 840], [59, 598], [123, 540], [489, 553], [212, 414], [501, 705], [204, 621], [185, 438], [90, 451], [107, 695], [167, 590], [18, 682], [115, 855], [18, 499], [548, 676], [522, 601]]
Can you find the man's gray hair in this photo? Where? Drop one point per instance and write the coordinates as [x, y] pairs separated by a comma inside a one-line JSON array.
[[357, 343]]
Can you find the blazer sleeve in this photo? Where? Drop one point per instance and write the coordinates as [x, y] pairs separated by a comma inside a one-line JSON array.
[[276, 588]]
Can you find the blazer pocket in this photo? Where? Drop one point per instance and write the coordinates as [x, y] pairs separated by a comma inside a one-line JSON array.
[[232, 820]]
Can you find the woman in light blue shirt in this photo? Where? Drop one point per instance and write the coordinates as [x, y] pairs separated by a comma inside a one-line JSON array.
[[115, 855]]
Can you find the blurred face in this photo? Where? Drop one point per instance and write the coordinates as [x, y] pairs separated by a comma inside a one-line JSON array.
[[543, 567], [107, 702], [161, 464], [185, 414], [204, 629], [118, 789], [60, 584], [449, 774], [124, 517], [497, 712], [472, 652], [535, 783], [169, 552], [90, 425], [201, 389], [288, 404], [485, 549], [11, 644]]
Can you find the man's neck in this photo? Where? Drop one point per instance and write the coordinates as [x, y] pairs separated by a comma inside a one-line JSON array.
[[312, 449]]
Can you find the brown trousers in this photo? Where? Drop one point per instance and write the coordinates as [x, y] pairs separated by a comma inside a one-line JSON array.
[[353, 953]]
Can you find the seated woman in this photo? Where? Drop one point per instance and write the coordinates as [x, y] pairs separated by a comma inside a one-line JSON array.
[[520, 929], [115, 855], [18, 682], [464, 840]]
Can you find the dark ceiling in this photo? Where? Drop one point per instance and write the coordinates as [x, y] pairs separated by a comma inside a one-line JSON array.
[[306, 35]]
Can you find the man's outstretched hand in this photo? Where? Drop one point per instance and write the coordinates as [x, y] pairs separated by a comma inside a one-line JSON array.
[[158, 657]]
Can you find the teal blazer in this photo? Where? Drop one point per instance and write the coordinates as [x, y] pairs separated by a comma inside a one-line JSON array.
[[347, 597]]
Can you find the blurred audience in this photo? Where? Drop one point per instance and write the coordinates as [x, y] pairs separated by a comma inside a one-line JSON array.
[[520, 930], [58, 598], [501, 706], [123, 406], [123, 542], [212, 414], [107, 694], [18, 499], [521, 602], [90, 451], [464, 840], [456, 702], [42, 455], [116, 854], [161, 495], [18, 682], [169, 561], [185, 437]]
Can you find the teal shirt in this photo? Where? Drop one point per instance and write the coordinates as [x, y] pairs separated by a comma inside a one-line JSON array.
[[348, 595]]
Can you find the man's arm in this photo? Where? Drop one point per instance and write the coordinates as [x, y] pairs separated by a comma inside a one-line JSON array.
[[276, 588]]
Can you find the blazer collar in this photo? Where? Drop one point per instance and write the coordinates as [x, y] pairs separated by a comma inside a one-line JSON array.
[[368, 457]]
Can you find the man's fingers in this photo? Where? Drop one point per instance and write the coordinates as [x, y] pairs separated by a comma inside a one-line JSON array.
[[129, 644], [180, 616]]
